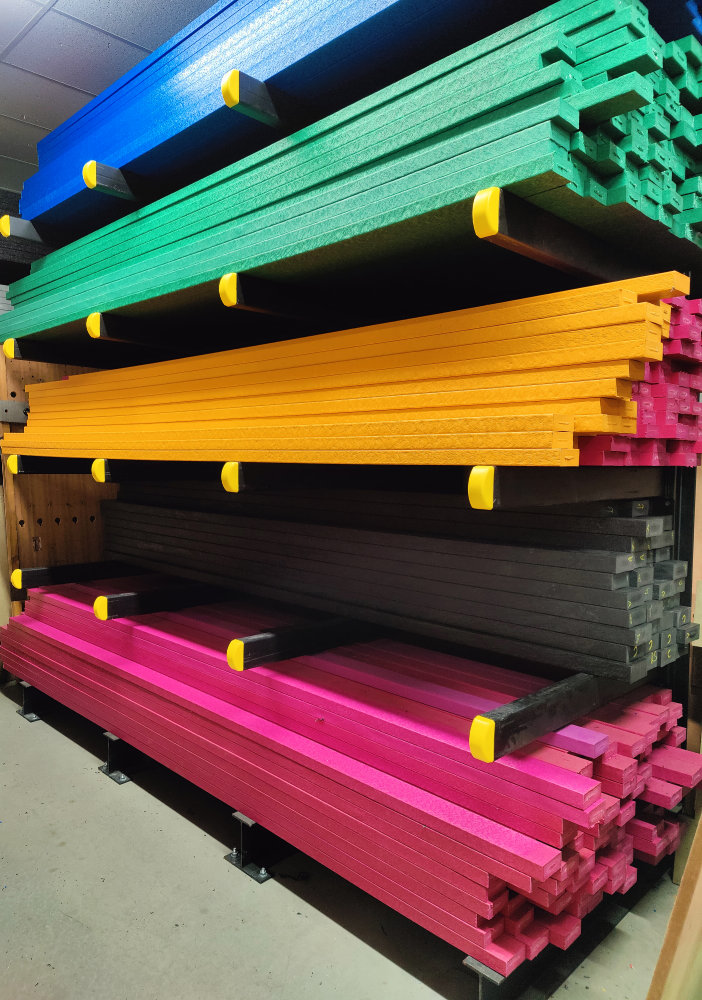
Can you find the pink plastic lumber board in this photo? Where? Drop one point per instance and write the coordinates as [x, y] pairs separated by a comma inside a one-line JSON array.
[[342, 696], [682, 767], [261, 786], [575, 738], [493, 839], [236, 684], [414, 764], [562, 759]]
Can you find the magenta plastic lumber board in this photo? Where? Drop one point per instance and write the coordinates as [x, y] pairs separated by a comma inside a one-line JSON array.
[[678, 766], [451, 852], [495, 841]]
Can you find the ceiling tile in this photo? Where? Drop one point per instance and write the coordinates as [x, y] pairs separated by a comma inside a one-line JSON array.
[[13, 173], [148, 24], [75, 54], [14, 15], [18, 140], [39, 101]]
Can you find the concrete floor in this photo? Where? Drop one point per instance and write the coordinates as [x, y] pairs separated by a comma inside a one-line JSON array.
[[122, 893]]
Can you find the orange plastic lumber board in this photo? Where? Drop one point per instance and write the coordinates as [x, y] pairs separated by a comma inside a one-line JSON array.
[[494, 417], [465, 419], [581, 424], [616, 391], [517, 338], [478, 359], [68, 391], [395, 456], [381, 423], [397, 407], [261, 357], [453, 328], [604, 424], [226, 440], [523, 398]]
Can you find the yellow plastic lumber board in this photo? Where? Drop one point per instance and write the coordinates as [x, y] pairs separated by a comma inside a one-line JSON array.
[[491, 415], [611, 397], [470, 422], [530, 381], [632, 341], [370, 342], [166, 373], [332, 438], [395, 456]]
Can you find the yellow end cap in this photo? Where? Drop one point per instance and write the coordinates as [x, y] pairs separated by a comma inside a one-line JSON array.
[[229, 289], [482, 739], [90, 174], [16, 579], [235, 654], [5, 225], [230, 88], [481, 487], [486, 212], [98, 470], [93, 324], [13, 464], [230, 477], [8, 348], [100, 608]]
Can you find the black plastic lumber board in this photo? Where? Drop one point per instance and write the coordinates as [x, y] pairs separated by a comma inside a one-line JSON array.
[[288, 641], [48, 576], [158, 599], [205, 551], [555, 706], [599, 560]]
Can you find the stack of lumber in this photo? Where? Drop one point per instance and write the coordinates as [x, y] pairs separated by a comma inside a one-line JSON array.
[[359, 757], [579, 108], [512, 383], [668, 430], [319, 56], [607, 602], [5, 304]]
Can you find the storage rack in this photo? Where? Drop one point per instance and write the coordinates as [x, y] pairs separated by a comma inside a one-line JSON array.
[[505, 227]]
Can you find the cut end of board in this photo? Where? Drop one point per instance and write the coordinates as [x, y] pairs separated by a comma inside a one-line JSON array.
[[229, 289], [98, 470], [16, 578], [100, 608], [482, 739], [8, 348], [486, 212], [230, 477], [235, 654], [230, 88], [93, 325], [90, 174], [13, 464], [481, 487], [5, 226]]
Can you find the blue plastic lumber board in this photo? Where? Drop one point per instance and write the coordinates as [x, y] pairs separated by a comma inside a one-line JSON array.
[[166, 118]]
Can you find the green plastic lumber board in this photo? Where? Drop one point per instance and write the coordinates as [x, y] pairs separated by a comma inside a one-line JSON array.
[[394, 171]]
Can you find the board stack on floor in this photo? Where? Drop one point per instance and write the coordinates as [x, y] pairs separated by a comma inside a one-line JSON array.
[[514, 383], [359, 757], [579, 109], [318, 56], [5, 304], [606, 602]]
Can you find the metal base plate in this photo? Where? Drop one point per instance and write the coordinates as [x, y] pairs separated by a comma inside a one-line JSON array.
[[117, 776], [29, 716], [259, 875]]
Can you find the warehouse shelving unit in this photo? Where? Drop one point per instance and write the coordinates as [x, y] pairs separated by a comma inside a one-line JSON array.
[[530, 227]]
